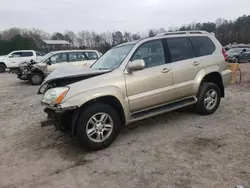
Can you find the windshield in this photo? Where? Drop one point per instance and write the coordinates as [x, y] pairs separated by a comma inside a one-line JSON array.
[[43, 58], [113, 58], [235, 50]]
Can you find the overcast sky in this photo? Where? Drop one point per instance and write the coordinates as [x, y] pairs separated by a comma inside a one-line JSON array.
[[103, 15]]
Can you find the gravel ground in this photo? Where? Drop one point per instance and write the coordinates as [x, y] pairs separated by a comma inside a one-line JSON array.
[[178, 149]]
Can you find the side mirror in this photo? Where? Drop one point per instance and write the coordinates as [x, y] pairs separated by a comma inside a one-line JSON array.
[[10, 56], [136, 65], [48, 62]]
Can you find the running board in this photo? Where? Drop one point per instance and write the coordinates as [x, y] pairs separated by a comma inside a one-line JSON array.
[[162, 109]]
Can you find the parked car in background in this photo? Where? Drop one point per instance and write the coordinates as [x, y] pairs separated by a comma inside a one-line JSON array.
[[135, 81], [239, 55], [228, 47], [36, 72], [13, 59]]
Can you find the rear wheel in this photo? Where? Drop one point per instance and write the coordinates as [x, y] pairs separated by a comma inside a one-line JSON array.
[[209, 97], [98, 126], [36, 78], [2, 68]]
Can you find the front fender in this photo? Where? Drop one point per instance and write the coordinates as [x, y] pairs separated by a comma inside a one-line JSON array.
[[86, 96]]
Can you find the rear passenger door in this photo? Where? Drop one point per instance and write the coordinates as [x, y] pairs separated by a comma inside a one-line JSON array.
[[185, 66], [204, 48]]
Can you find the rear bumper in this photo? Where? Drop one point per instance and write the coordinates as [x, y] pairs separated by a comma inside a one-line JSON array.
[[226, 77]]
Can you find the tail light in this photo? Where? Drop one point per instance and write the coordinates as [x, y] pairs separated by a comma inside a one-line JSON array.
[[224, 54]]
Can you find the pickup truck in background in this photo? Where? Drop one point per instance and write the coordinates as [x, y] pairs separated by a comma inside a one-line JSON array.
[[13, 59]]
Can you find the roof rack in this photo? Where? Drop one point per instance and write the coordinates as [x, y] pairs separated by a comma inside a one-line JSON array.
[[182, 32]]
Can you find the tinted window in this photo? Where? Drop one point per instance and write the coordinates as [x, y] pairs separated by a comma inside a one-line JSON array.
[[76, 56], [151, 52], [58, 58], [179, 49], [15, 54], [202, 45], [91, 55], [26, 54]]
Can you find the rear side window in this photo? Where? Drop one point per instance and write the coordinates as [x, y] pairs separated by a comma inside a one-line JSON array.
[[202, 45], [179, 49], [76, 56], [91, 55], [26, 54]]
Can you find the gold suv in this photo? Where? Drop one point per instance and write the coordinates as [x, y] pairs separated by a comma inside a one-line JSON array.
[[135, 81]]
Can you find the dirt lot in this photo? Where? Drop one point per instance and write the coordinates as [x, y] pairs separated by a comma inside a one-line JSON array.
[[179, 149]]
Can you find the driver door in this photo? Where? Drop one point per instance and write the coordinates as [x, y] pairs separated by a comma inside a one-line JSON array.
[[14, 59], [56, 61], [153, 85]]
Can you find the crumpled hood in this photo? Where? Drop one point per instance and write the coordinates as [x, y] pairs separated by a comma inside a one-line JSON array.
[[69, 74], [69, 71]]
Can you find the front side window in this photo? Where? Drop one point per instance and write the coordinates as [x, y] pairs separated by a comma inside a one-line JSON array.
[[26, 54], [76, 56], [91, 55], [58, 58], [179, 49], [202, 45], [113, 58], [15, 54], [151, 52]]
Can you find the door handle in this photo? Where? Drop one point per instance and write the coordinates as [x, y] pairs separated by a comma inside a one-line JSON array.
[[196, 63], [165, 70]]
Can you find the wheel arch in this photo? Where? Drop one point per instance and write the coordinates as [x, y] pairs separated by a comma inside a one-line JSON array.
[[2, 63], [109, 100], [36, 70], [215, 77]]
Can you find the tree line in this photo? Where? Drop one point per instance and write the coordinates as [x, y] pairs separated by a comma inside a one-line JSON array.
[[226, 31]]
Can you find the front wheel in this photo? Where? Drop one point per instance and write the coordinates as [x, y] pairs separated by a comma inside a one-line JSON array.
[[98, 126], [36, 78], [209, 97]]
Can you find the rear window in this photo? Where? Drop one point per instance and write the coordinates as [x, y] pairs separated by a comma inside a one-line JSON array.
[[26, 54], [202, 45]]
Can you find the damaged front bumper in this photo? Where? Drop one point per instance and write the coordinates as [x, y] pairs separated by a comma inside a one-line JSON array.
[[63, 119], [23, 73]]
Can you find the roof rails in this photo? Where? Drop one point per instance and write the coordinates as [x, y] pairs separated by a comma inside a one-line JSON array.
[[182, 32]]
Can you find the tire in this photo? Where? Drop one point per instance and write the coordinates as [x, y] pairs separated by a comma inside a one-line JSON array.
[[202, 107], [36, 78], [2, 68], [84, 123]]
